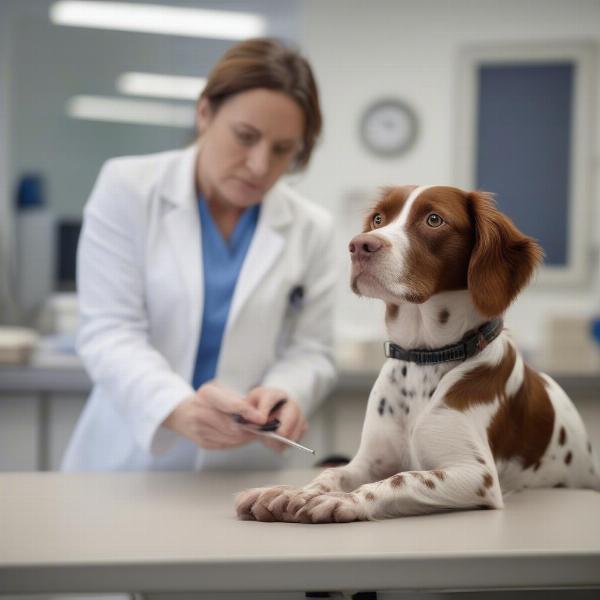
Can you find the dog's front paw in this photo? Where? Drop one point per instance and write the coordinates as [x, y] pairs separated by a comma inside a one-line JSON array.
[[244, 502], [265, 504], [333, 507]]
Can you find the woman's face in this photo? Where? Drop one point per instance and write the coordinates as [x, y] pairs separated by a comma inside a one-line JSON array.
[[247, 144]]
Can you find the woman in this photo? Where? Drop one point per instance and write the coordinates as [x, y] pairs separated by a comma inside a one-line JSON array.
[[205, 284]]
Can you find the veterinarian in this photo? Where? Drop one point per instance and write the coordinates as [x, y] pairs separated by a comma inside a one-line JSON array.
[[206, 284]]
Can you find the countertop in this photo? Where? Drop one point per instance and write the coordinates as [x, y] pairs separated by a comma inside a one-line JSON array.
[[173, 532], [65, 374]]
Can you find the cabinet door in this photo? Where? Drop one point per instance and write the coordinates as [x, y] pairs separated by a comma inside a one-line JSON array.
[[63, 412], [524, 148], [523, 131], [19, 432]]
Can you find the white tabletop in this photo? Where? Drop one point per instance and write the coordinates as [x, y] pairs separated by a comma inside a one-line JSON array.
[[178, 532]]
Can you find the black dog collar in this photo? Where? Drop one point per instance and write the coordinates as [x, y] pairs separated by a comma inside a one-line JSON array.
[[469, 346]]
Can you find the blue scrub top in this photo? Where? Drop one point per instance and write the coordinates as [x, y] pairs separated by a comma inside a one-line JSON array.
[[222, 262]]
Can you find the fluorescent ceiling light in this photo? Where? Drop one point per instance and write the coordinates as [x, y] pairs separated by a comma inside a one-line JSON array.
[[160, 86], [156, 18], [103, 108]]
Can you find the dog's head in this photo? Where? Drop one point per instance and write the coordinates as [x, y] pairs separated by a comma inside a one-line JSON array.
[[420, 241]]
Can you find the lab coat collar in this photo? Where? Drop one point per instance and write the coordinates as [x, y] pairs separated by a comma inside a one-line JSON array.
[[183, 230], [276, 209], [179, 187]]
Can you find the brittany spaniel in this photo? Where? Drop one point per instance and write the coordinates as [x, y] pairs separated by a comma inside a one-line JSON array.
[[456, 418]]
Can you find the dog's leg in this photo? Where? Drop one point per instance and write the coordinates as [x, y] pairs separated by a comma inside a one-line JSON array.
[[382, 452], [407, 493], [273, 503], [456, 472]]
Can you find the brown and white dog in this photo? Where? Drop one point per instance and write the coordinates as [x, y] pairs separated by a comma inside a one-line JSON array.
[[442, 433]]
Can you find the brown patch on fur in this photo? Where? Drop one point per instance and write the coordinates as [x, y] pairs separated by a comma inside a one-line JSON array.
[[389, 206], [503, 258], [443, 316], [568, 458], [438, 257], [522, 427], [369, 496], [397, 480], [416, 297], [562, 437], [391, 311], [481, 492], [428, 482], [441, 475], [488, 480], [482, 384]]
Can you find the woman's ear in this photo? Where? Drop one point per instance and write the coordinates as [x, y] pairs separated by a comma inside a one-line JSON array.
[[503, 258], [204, 113]]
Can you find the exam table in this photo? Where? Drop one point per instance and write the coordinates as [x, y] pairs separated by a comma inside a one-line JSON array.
[[155, 533]]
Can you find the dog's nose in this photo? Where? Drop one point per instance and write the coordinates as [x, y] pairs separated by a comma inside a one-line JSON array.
[[364, 245]]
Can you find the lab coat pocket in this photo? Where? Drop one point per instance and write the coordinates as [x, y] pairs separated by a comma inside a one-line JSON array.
[[296, 298], [294, 304]]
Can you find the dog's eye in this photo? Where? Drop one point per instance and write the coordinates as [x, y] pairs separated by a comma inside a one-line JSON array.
[[434, 220], [377, 219]]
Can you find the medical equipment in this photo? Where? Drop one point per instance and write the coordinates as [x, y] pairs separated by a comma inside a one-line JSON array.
[[268, 429]]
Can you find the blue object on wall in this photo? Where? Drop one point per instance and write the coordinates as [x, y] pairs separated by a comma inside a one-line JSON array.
[[524, 148], [595, 327], [30, 192]]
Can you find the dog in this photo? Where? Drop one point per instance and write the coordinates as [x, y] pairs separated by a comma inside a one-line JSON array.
[[456, 419]]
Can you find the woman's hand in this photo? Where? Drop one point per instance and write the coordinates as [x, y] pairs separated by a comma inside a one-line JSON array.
[[206, 417], [293, 424]]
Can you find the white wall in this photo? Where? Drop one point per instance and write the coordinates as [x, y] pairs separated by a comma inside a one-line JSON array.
[[409, 49], [365, 50], [43, 65], [5, 229]]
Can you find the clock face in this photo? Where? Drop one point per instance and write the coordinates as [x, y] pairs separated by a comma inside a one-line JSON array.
[[388, 127]]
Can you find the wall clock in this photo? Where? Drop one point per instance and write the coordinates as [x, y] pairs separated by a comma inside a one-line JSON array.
[[388, 127]]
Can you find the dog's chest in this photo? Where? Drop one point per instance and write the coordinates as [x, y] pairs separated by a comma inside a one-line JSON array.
[[404, 390]]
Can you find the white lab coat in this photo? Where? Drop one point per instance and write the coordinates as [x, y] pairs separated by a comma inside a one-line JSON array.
[[140, 286]]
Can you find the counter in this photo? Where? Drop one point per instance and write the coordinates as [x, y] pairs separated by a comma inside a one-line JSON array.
[[176, 532], [66, 374], [41, 402], [46, 373]]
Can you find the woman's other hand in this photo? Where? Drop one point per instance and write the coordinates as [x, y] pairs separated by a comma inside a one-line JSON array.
[[206, 417], [293, 424]]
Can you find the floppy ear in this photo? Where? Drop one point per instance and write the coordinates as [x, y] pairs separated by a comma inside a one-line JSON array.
[[503, 259]]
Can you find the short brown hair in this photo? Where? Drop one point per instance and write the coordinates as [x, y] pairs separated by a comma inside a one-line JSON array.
[[268, 63]]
